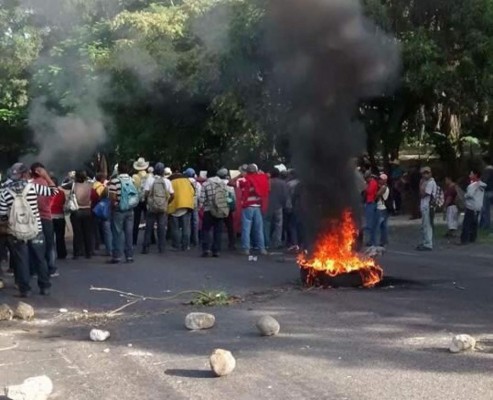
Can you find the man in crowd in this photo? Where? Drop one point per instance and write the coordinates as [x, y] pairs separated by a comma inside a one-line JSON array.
[[223, 174], [382, 217], [294, 237], [474, 198], [485, 222], [180, 211], [103, 225], [370, 198], [194, 218], [214, 200], [124, 198], [451, 208], [273, 221], [158, 194], [44, 206], [139, 178], [26, 239], [428, 189], [254, 188]]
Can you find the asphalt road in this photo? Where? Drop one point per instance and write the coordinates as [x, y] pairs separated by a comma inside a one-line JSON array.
[[355, 344]]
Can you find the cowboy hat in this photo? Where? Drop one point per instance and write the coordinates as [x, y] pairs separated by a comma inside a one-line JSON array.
[[141, 164]]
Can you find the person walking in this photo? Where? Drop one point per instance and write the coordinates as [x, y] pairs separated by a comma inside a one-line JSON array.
[[159, 193], [474, 198], [124, 197], [180, 211], [214, 200], [81, 217], [19, 206], [381, 220], [428, 189]]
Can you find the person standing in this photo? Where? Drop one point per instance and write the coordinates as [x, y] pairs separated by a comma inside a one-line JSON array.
[[124, 198], [474, 198], [428, 188], [44, 206], [103, 225], [223, 174], [382, 217], [273, 220], [485, 222], [194, 218], [180, 211], [159, 193], [139, 179], [26, 239], [370, 197], [451, 209], [81, 218], [59, 223], [254, 188], [214, 200]]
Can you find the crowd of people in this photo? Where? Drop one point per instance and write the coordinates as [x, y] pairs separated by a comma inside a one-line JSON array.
[[178, 210]]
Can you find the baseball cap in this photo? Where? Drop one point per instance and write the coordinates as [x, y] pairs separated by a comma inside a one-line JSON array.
[[17, 170], [384, 177], [159, 169], [222, 173]]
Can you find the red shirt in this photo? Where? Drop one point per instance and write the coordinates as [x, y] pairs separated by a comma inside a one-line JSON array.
[[57, 204], [44, 202], [371, 191]]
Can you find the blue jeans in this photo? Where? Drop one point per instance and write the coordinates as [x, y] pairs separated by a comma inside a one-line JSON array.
[[382, 227], [194, 228], [122, 223], [104, 227], [427, 215], [252, 224], [486, 211], [180, 231], [27, 254], [162, 224], [370, 225]]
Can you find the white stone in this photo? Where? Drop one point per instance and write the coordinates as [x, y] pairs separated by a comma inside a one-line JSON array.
[[63, 310], [24, 311], [462, 343], [197, 321], [6, 313], [268, 326], [222, 362], [35, 388], [98, 335]]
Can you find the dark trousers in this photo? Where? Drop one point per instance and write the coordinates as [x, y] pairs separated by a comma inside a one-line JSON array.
[[211, 240], [59, 225], [162, 223], [49, 234], [180, 231], [470, 227], [229, 222], [24, 254], [139, 211], [83, 232]]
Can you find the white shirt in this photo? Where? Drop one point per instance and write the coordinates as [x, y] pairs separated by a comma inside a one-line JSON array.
[[381, 201], [150, 181], [430, 190]]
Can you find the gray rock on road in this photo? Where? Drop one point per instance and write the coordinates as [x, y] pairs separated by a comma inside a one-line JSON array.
[[35, 388], [462, 343], [268, 326], [99, 335], [24, 311], [222, 362], [6, 313], [197, 321]]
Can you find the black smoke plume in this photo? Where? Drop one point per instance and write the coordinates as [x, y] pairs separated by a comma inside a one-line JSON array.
[[326, 58]]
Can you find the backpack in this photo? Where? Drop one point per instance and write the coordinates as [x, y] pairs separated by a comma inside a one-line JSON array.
[[158, 199], [23, 224], [102, 210], [71, 205], [438, 198], [460, 198], [219, 206], [129, 197], [389, 203]]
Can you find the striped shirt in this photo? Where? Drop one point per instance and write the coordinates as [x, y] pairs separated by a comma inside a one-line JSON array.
[[6, 198], [115, 187]]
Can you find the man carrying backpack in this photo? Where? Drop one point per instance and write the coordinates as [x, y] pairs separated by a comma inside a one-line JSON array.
[[214, 199], [158, 194], [19, 206], [124, 198]]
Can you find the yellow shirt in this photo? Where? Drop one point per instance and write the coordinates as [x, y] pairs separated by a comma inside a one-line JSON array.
[[184, 195]]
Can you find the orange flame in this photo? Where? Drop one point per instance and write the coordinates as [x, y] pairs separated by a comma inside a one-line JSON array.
[[334, 255]]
